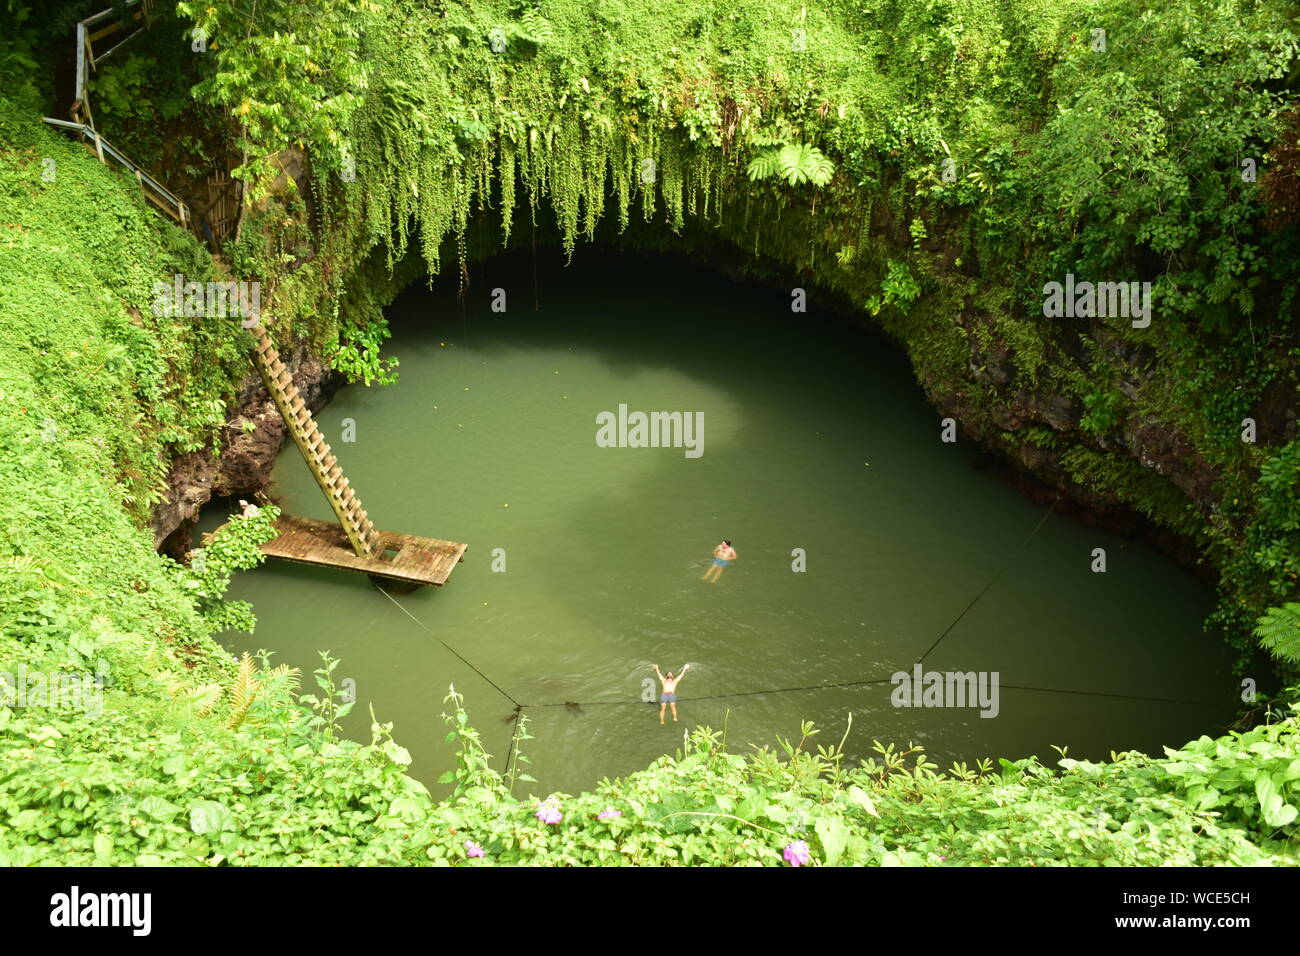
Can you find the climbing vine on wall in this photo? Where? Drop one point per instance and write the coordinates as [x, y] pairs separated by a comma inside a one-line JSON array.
[[958, 149]]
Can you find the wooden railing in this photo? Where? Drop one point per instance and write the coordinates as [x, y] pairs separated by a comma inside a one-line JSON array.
[[221, 215], [88, 36], [154, 191]]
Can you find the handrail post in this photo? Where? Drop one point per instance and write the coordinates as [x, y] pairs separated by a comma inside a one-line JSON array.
[[81, 61], [81, 99]]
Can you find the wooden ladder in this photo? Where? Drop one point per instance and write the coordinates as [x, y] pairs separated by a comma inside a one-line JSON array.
[[293, 409]]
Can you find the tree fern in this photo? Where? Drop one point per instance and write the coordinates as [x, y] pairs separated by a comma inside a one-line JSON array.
[[1279, 632], [803, 163], [796, 163], [763, 165]]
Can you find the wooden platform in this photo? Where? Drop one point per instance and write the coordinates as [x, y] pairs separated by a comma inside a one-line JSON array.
[[418, 561]]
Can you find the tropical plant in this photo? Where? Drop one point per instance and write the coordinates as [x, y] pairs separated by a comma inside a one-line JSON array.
[[431, 115], [1251, 778], [1279, 632], [235, 547], [796, 163], [898, 287], [248, 686], [333, 704]]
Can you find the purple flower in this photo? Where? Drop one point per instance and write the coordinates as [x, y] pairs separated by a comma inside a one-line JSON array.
[[797, 854], [548, 812], [609, 814], [473, 850]]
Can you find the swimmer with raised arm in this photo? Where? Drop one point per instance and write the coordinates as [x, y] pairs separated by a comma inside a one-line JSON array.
[[723, 555], [669, 696]]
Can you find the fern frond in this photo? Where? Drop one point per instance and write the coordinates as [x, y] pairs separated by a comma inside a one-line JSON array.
[[1279, 632], [763, 165], [107, 634], [168, 680], [283, 672], [1246, 301], [535, 28], [20, 563], [242, 692], [789, 163], [796, 163], [802, 163], [203, 699], [822, 169], [27, 564]]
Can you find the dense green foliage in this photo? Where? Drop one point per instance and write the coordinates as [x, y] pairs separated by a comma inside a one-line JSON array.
[[933, 163], [281, 789]]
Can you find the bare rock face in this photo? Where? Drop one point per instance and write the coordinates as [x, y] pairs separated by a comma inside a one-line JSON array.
[[998, 414], [991, 368], [1010, 417], [248, 446], [1167, 451], [1060, 412]]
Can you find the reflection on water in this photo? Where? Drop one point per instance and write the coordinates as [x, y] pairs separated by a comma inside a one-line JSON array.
[[816, 438]]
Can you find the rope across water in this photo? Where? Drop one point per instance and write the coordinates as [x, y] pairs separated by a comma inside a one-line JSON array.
[[520, 707]]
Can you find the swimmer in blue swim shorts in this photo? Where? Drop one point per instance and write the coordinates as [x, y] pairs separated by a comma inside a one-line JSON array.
[[723, 555], [669, 696]]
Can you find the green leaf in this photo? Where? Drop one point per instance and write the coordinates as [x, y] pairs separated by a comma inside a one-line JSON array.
[[859, 797], [397, 753], [174, 764], [407, 807], [833, 835], [158, 808], [24, 819], [1277, 812], [1285, 815], [208, 816]]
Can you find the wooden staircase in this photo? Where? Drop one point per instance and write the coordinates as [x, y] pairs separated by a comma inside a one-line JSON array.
[[402, 560], [356, 524]]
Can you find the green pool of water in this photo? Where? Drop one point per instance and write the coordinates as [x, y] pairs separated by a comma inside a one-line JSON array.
[[815, 438]]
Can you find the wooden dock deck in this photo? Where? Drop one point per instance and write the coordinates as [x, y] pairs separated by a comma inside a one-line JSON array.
[[416, 561]]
